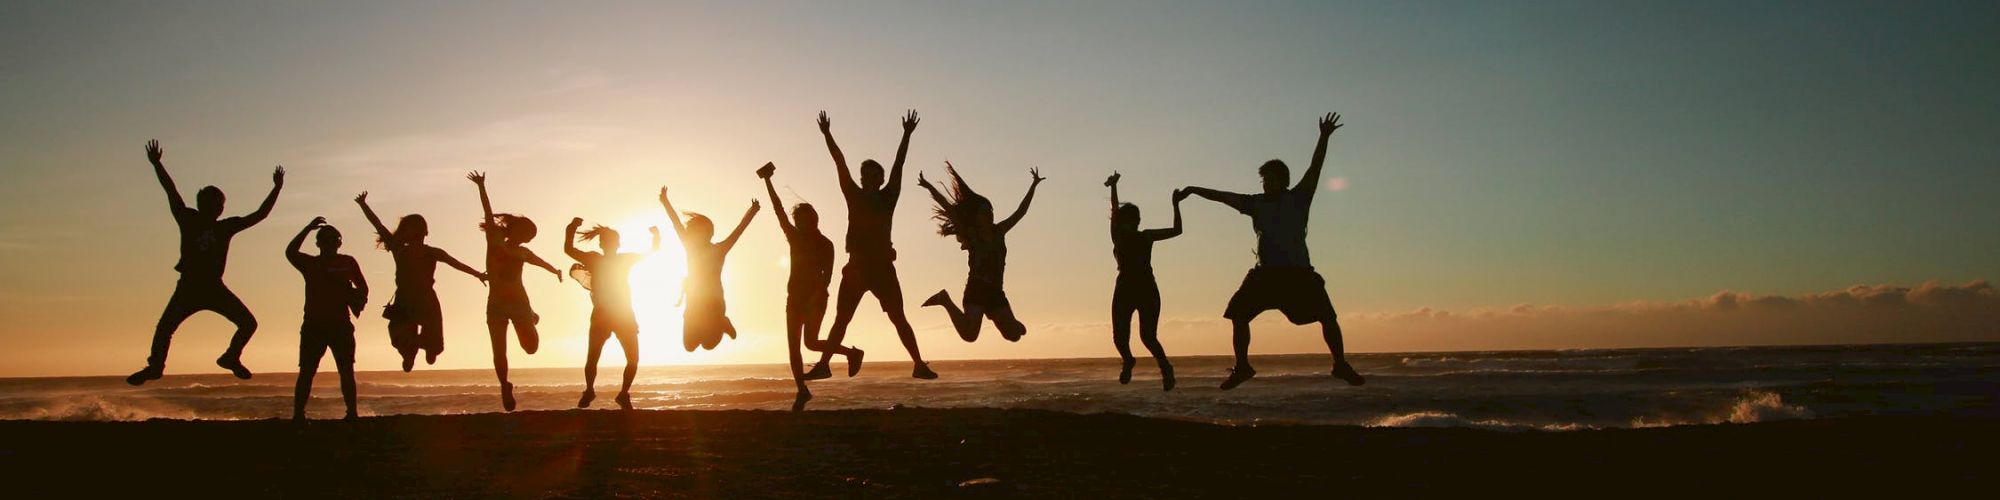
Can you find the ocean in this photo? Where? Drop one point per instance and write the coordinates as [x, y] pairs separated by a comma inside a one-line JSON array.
[[1511, 390]]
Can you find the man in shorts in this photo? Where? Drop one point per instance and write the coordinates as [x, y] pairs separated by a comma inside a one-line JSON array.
[[871, 259], [1283, 278], [335, 294]]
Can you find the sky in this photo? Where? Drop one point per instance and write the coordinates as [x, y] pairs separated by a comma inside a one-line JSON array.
[[1513, 175]]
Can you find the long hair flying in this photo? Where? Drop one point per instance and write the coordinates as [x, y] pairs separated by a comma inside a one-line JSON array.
[[594, 232], [961, 216], [515, 228]]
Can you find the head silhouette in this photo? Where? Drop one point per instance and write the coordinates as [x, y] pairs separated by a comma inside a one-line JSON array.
[[871, 175], [1125, 217], [514, 229], [1276, 175], [328, 240], [208, 202], [607, 238], [699, 227], [806, 217], [968, 216], [412, 229]]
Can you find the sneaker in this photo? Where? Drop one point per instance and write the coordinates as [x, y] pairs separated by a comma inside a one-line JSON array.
[[588, 396], [923, 371], [819, 371], [941, 298], [1237, 376], [1125, 371], [799, 402], [1345, 372], [853, 365], [409, 361], [507, 396], [235, 366], [624, 400], [145, 374], [1166, 377]]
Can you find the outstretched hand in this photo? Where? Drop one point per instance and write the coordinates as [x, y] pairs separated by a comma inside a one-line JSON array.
[[317, 222], [1036, 173], [153, 151], [362, 198], [1113, 180], [825, 125], [477, 177], [921, 181], [765, 171], [278, 176], [910, 121], [1181, 194], [1329, 123], [754, 205], [575, 222], [663, 194]]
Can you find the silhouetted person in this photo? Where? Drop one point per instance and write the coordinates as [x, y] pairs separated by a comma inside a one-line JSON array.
[[805, 292], [706, 318], [416, 321], [871, 259], [610, 283], [507, 298], [335, 290], [966, 215], [1136, 290], [1283, 278], [204, 253]]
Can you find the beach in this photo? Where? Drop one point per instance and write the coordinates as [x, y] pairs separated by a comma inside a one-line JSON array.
[[931, 453]]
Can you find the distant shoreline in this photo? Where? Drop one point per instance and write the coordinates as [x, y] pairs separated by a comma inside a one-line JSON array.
[[928, 453]]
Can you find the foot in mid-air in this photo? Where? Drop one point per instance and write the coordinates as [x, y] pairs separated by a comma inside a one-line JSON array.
[[588, 396], [853, 365], [409, 361], [818, 371], [351, 416], [234, 365], [1125, 371], [1237, 376], [430, 357], [1166, 377], [943, 297], [923, 371], [507, 396], [624, 400], [148, 373], [799, 402], [1346, 372]]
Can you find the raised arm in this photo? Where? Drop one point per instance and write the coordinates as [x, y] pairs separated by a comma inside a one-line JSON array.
[[1008, 225], [1112, 183], [388, 238], [440, 255], [1161, 234], [485, 205], [270, 200], [777, 205], [529, 256], [569, 241], [847, 185], [656, 237], [935, 195], [174, 201], [292, 252], [894, 188], [730, 242], [1234, 200], [1309, 183], [672, 215]]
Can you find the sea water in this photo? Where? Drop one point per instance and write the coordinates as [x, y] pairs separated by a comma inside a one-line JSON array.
[[1547, 390]]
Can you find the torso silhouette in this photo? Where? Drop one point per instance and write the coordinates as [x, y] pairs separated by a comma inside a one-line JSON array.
[[415, 267], [870, 215], [611, 281], [1280, 222], [986, 257], [503, 270], [704, 271], [812, 262], [328, 290], [1134, 252], [204, 245]]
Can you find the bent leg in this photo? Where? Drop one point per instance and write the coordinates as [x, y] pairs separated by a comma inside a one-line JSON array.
[[597, 336], [177, 311], [525, 331], [496, 331], [846, 300], [233, 309], [1149, 333]]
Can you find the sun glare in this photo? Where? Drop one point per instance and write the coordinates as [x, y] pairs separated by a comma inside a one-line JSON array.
[[656, 291]]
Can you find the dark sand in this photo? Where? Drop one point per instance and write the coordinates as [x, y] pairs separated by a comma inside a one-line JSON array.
[[928, 453]]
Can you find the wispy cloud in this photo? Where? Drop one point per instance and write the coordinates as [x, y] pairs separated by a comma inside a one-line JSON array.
[[436, 158]]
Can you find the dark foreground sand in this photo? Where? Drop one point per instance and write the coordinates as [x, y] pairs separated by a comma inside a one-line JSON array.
[[929, 453]]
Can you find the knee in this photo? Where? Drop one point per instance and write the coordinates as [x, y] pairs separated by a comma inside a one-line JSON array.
[[248, 323]]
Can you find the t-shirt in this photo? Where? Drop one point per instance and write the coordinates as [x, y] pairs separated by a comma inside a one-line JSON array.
[[812, 262], [204, 244], [1134, 251], [986, 259], [329, 285], [1280, 222], [611, 279], [870, 215], [503, 273]]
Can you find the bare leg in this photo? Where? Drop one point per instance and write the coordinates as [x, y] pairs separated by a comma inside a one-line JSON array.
[[966, 321], [794, 336], [343, 360], [630, 343], [177, 312], [302, 390], [1149, 334], [496, 331], [1240, 330], [597, 336], [1121, 337], [847, 299], [890, 294], [246, 325], [1330, 329], [524, 329]]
